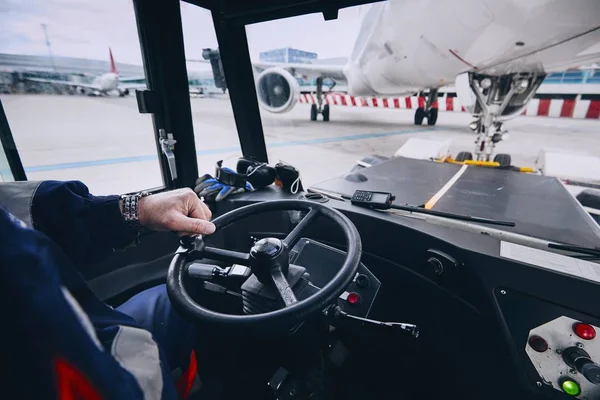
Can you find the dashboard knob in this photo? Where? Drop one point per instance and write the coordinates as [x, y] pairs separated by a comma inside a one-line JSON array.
[[579, 359], [362, 281], [591, 371], [436, 265]]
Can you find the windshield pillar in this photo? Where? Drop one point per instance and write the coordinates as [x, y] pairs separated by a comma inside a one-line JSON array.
[[161, 42], [233, 47], [10, 159]]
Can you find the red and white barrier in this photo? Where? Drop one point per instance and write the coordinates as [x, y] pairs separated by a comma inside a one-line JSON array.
[[589, 109]]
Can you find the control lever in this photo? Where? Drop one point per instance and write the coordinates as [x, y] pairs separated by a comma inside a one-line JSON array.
[[579, 359], [339, 315], [209, 272]]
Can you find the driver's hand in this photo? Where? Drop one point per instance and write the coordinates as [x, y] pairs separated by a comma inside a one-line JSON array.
[[178, 210]]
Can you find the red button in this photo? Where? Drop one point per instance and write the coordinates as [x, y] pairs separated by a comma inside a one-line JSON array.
[[353, 298], [584, 331], [538, 343]]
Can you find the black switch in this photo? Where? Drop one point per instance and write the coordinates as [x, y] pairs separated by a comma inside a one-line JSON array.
[[591, 371], [362, 281]]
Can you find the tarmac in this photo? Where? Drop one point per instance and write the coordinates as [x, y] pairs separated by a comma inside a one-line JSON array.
[[107, 144]]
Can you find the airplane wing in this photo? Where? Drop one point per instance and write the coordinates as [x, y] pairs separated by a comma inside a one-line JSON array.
[[335, 72], [132, 78], [132, 86], [66, 83]]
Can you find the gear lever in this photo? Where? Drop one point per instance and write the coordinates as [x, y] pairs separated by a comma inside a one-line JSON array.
[[339, 315]]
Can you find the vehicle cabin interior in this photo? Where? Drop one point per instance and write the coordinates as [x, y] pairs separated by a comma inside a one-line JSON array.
[[318, 298]]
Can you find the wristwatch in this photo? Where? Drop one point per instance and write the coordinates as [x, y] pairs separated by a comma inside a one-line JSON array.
[[131, 211]]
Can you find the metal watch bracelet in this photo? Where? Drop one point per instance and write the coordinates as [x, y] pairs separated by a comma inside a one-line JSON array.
[[131, 211]]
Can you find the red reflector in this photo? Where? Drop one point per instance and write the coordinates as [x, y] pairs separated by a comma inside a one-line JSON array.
[[584, 331], [538, 343], [353, 298]]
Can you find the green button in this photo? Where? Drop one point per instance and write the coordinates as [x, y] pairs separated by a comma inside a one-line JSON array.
[[571, 387]]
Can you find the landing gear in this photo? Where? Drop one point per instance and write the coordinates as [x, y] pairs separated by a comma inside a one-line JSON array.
[[432, 116], [319, 108], [464, 156], [428, 112], [325, 112], [503, 159], [419, 116], [498, 98]]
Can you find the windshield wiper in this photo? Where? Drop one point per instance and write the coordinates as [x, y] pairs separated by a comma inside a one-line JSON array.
[[591, 251], [443, 214]]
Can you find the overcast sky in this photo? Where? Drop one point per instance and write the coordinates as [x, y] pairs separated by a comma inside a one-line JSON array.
[[87, 28]]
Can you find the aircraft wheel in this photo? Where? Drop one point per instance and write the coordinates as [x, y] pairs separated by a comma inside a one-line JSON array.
[[325, 112], [464, 156], [313, 112], [419, 115], [432, 116], [503, 159]]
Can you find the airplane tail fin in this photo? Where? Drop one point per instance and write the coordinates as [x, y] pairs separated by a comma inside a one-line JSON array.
[[113, 67]]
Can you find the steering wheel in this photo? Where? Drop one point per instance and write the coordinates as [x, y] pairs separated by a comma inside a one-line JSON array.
[[268, 260]]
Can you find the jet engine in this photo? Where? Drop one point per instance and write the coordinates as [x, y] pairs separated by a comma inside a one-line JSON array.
[[277, 90]]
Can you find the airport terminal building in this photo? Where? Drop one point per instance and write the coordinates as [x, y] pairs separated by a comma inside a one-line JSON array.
[[288, 55]]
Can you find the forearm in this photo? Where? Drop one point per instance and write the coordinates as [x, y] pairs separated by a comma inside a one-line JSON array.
[[86, 227]]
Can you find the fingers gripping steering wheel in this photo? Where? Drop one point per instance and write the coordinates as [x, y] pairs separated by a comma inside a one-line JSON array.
[[268, 260]]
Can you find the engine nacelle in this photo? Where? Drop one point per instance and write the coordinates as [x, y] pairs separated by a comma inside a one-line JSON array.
[[277, 90]]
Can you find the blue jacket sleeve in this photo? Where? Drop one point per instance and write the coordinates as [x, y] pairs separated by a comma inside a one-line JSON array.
[[86, 227]]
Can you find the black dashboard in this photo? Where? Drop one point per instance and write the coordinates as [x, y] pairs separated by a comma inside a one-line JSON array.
[[491, 326]]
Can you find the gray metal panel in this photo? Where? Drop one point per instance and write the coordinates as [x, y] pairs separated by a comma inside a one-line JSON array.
[[540, 206], [412, 181]]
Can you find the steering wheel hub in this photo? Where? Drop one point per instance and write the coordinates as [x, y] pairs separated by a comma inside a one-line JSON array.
[[266, 255], [266, 248]]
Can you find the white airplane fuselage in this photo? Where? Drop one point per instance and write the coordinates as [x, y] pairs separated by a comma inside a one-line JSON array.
[[107, 82], [405, 46]]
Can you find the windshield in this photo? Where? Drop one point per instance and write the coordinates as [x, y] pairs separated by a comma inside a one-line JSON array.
[[374, 86], [67, 76], [438, 114]]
